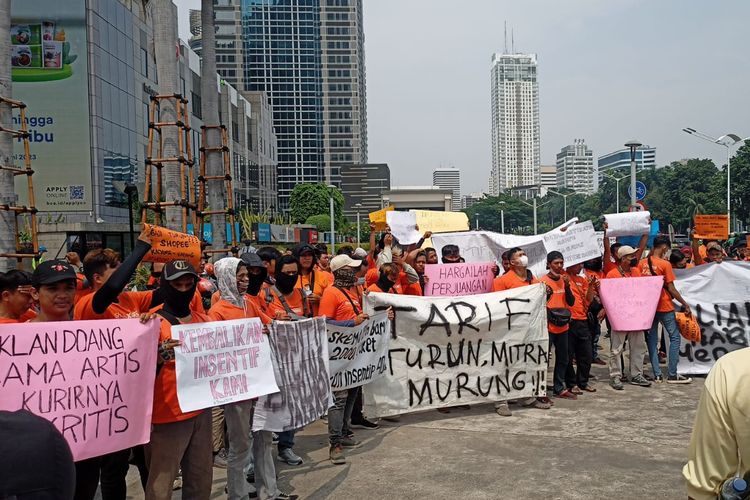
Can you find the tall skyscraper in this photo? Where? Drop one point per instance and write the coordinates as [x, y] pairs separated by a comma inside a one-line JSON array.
[[449, 178], [515, 122], [308, 57], [575, 168]]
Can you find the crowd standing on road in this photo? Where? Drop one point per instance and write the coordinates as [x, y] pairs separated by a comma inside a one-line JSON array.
[[306, 282]]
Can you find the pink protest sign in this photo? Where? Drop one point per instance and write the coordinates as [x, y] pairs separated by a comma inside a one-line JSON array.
[[451, 280], [93, 379], [631, 302]]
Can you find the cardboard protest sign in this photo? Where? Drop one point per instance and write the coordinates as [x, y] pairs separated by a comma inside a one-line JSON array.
[[168, 245], [222, 362], [719, 296], [577, 243], [628, 224], [300, 363], [450, 280], [711, 227], [441, 222], [447, 351], [403, 226], [378, 217], [358, 355], [94, 380], [631, 302]]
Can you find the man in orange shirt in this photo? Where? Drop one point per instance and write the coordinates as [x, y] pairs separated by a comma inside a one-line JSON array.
[[559, 301], [15, 295], [177, 438], [312, 281], [627, 267], [655, 265], [714, 253], [579, 334]]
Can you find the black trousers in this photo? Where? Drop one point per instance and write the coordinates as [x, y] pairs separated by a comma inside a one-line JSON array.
[[579, 345], [112, 468], [356, 395], [560, 342]]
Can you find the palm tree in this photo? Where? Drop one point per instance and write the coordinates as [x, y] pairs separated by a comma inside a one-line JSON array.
[[210, 113], [7, 187]]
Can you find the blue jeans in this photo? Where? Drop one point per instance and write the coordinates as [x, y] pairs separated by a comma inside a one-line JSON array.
[[669, 322], [286, 439]]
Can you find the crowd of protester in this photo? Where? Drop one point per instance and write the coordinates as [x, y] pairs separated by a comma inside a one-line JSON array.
[[305, 282]]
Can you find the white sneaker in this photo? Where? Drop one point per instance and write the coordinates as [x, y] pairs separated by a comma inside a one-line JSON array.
[[679, 379]]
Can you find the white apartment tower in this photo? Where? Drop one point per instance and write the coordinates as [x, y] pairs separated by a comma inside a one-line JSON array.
[[515, 122], [449, 178], [575, 168]]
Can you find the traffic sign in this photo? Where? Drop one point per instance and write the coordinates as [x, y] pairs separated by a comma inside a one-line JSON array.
[[640, 190]]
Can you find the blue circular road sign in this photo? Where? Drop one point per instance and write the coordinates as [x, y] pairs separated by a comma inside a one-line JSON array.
[[640, 190]]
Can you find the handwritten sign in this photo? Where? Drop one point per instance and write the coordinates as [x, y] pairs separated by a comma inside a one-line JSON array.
[[631, 302], [403, 226], [222, 362], [378, 217], [94, 380], [578, 243], [711, 227], [168, 245], [628, 224], [451, 280], [358, 355], [449, 351], [441, 222]]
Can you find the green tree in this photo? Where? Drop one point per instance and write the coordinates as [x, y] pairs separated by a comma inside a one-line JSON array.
[[740, 191], [312, 199], [321, 221]]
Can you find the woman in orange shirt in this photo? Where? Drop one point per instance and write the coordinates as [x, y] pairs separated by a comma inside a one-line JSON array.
[[312, 281], [559, 301]]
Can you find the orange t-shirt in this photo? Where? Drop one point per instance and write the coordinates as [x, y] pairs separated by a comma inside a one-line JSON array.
[[615, 273], [595, 274], [556, 301], [166, 406], [225, 311], [609, 265], [337, 304], [28, 316], [510, 280], [661, 268], [320, 283], [294, 301], [579, 286], [371, 276], [81, 291], [4, 321], [128, 305]]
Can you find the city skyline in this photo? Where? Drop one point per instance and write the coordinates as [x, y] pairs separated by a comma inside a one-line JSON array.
[[421, 115]]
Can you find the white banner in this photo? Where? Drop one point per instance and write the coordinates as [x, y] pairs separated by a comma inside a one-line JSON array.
[[222, 362], [577, 243], [719, 295], [459, 350], [628, 224], [300, 355], [358, 354], [403, 226]]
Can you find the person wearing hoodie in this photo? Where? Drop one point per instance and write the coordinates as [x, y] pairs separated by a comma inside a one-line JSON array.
[[177, 438], [233, 279]]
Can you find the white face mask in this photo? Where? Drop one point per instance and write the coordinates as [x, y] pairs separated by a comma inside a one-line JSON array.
[[523, 260], [361, 281]]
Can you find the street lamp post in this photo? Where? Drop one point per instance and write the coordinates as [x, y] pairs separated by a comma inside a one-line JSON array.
[[617, 188], [633, 145], [727, 140], [502, 218], [358, 206], [333, 229], [476, 218], [565, 202], [534, 206]]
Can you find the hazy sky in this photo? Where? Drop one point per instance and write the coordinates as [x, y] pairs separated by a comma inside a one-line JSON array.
[[609, 71]]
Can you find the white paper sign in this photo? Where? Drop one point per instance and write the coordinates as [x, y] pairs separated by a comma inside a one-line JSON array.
[[358, 354], [577, 243], [719, 295], [222, 362], [450, 351], [300, 355], [628, 224], [403, 226]]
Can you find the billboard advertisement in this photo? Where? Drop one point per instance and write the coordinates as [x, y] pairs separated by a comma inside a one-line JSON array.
[[50, 74]]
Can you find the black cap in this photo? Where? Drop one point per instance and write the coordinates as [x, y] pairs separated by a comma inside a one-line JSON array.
[[177, 269], [450, 250], [251, 259], [52, 271], [304, 248]]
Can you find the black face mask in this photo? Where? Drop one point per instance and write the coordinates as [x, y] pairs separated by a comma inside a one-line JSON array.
[[175, 301], [256, 282], [384, 283], [286, 282], [593, 265], [633, 262]]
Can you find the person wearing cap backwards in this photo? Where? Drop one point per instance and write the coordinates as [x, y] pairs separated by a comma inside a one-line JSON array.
[[177, 438], [15, 296], [560, 298], [655, 265], [312, 281], [234, 279], [627, 267]]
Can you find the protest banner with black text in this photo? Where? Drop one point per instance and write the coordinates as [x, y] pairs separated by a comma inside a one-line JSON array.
[[94, 380], [451, 351], [719, 295], [577, 243], [358, 354], [451, 280], [222, 362], [300, 363]]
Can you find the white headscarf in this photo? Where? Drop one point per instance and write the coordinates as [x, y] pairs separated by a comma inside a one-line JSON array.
[[226, 277]]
